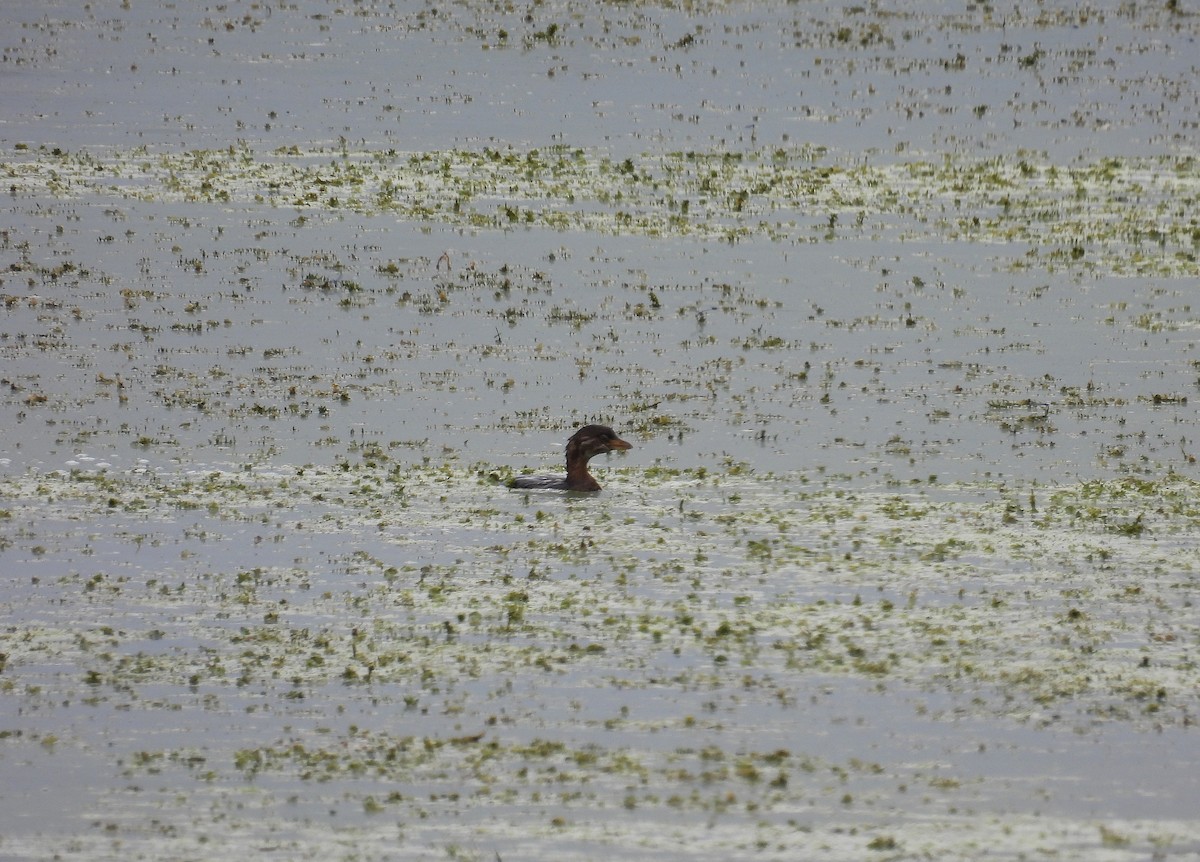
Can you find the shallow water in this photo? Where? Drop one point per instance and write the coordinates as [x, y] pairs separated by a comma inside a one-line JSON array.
[[895, 305]]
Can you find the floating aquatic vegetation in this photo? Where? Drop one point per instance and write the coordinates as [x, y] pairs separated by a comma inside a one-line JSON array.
[[1124, 216], [460, 666], [895, 303]]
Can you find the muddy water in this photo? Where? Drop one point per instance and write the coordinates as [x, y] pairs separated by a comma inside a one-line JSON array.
[[896, 305]]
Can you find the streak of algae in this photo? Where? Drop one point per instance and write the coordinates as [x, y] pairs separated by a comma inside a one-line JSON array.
[[1125, 216]]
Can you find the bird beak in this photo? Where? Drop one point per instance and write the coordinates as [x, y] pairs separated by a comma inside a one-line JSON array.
[[618, 444]]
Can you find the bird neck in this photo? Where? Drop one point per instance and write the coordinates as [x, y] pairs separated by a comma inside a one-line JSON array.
[[578, 477]]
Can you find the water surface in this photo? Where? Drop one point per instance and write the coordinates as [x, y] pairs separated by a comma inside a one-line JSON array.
[[896, 306]]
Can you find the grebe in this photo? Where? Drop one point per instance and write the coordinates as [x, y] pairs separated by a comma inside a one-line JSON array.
[[587, 442]]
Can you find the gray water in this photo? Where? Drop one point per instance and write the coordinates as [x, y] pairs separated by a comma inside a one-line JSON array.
[[895, 304]]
